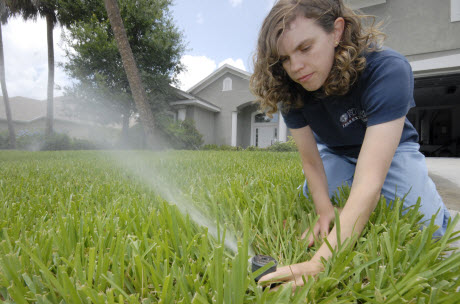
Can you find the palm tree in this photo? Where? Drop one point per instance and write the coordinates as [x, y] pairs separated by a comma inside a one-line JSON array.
[[132, 72], [4, 14], [30, 9]]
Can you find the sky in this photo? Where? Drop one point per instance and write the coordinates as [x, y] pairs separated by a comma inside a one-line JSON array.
[[215, 32]]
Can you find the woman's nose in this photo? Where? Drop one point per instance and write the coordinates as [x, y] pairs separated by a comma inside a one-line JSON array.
[[296, 64]]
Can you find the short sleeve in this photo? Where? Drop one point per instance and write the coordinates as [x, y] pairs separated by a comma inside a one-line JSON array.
[[388, 94], [294, 119]]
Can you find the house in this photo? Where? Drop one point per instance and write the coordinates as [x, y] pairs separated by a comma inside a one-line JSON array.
[[224, 111], [29, 117], [425, 31], [221, 106], [428, 33]]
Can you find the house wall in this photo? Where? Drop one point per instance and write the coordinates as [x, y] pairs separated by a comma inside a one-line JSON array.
[[417, 26], [204, 123], [93, 133], [228, 101]]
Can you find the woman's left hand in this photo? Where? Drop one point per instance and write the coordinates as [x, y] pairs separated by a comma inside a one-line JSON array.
[[292, 274]]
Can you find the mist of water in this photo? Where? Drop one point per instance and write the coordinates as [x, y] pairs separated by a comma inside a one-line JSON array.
[[151, 177], [96, 108]]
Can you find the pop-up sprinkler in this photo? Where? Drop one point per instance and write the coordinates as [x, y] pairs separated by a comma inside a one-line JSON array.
[[259, 261]]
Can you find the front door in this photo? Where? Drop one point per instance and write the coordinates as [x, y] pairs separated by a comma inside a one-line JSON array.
[[265, 136], [264, 130]]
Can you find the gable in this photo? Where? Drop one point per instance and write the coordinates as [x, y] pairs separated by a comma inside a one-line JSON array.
[[234, 73]]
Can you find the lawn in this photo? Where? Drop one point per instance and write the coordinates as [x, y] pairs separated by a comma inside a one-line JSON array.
[[180, 226]]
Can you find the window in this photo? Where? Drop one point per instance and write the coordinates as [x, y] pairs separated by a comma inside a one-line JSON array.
[[454, 10], [227, 85], [258, 118]]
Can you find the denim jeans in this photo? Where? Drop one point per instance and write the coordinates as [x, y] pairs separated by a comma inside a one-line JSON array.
[[407, 176]]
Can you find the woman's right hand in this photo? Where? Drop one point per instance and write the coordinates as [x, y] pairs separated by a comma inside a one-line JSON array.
[[321, 228]]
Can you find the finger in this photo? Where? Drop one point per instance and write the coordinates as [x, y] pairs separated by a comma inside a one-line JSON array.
[[308, 231], [278, 276], [275, 288], [305, 233], [324, 230], [316, 232]]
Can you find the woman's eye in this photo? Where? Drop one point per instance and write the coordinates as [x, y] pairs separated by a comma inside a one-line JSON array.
[[305, 49]]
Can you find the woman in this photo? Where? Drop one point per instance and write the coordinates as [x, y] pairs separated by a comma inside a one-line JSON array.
[[344, 98]]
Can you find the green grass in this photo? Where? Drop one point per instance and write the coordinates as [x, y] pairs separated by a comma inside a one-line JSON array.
[[92, 227]]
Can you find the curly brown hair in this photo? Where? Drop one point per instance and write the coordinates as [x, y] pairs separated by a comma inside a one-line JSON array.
[[271, 84]]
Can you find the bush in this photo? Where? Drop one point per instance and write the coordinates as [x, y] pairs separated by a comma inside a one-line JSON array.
[[4, 142], [253, 148], [288, 146], [210, 147], [37, 141], [83, 144], [182, 134]]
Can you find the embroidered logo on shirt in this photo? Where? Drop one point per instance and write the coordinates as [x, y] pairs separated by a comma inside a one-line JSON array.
[[352, 115]]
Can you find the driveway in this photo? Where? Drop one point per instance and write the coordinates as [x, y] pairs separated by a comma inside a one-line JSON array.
[[445, 173]]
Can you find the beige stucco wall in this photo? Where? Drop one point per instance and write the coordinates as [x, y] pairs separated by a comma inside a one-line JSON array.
[[228, 101], [204, 123], [417, 26]]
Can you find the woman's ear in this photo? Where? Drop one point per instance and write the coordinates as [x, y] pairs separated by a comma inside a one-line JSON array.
[[339, 26]]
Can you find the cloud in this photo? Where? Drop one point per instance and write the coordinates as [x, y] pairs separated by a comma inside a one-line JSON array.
[[238, 63], [26, 58], [235, 3], [199, 67], [199, 18]]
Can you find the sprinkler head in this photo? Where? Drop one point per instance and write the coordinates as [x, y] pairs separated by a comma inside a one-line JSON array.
[[259, 261]]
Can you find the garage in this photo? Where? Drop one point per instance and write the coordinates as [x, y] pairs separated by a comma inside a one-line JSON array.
[[437, 114]]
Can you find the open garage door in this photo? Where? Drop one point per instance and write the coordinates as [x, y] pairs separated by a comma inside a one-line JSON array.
[[437, 114]]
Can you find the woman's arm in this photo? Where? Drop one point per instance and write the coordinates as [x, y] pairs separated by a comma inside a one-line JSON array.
[[317, 182], [379, 145]]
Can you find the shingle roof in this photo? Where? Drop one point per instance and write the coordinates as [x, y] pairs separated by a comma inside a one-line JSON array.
[[28, 109]]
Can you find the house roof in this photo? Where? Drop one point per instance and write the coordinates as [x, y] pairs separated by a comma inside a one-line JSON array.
[[189, 99], [226, 68], [27, 109]]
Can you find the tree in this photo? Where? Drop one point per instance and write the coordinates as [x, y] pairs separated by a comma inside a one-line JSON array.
[[129, 63], [30, 9], [4, 14], [95, 62]]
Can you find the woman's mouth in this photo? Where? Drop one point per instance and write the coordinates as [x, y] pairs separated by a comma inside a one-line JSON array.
[[305, 78]]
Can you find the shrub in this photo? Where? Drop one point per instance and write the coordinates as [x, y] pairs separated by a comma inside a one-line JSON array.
[[229, 148], [56, 142], [83, 144], [4, 142], [210, 147], [37, 141], [288, 146], [181, 134], [253, 148]]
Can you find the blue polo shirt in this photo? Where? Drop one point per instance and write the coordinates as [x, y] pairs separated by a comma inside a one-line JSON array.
[[383, 92]]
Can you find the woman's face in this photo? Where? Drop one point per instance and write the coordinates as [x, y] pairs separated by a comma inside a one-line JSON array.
[[307, 51]]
